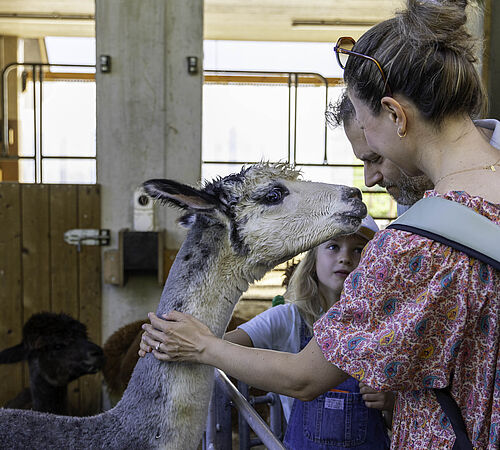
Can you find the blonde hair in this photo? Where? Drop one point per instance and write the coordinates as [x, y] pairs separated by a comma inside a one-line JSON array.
[[303, 290]]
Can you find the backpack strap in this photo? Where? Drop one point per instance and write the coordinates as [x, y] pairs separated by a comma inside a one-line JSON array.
[[454, 225], [452, 411]]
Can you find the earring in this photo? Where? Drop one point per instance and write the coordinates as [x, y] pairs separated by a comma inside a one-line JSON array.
[[400, 134]]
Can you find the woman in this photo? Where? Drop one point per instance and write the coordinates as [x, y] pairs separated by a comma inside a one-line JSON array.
[[415, 314]]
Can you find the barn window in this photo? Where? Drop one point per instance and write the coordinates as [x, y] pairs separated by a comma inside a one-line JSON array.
[[57, 115]]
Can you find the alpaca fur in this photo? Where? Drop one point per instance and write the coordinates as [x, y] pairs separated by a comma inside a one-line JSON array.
[[241, 226], [58, 351], [121, 354]]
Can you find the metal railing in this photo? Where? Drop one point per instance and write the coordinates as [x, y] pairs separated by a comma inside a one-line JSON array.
[[225, 395], [293, 81]]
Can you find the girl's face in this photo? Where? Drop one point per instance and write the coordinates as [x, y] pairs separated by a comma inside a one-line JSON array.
[[336, 259]]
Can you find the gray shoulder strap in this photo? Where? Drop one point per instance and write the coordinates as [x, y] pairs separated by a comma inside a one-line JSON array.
[[455, 225]]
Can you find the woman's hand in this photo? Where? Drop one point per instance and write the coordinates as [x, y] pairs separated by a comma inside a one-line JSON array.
[[376, 399], [177, 337]]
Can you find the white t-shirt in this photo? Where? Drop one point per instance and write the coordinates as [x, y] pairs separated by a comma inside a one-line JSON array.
[[278, 328]]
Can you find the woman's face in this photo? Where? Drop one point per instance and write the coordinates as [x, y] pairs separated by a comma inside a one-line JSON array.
[[371, 125], [335, 259], [380, 132]]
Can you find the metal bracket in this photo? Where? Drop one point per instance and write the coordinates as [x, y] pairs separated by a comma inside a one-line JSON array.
[[86, 236]]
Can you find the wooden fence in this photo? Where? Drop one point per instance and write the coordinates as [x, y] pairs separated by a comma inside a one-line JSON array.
[[40, 272]]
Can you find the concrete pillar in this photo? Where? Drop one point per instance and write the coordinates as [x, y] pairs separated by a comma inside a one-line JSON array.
[[148, 123], [475, 25]]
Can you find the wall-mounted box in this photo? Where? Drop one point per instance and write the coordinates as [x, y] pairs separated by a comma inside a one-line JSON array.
[[138, 252]]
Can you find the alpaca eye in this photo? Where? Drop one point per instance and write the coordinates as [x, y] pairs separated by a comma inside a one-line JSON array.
[[274, 196]]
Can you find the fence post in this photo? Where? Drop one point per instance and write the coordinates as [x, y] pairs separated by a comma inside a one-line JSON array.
[[219, 427]]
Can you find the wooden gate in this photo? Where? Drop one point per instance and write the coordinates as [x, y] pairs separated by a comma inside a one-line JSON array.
[[40, 272]]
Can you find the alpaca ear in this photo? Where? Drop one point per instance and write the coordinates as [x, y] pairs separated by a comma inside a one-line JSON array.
[[13, 354], [181, 195]]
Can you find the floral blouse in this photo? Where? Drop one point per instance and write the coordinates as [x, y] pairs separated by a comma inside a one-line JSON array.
[[414, 315]]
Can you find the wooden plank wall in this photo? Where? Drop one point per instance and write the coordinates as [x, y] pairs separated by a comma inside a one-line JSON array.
[[40, 272]]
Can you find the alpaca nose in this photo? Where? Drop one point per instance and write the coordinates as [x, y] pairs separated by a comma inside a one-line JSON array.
[[351, 193], [95, 353], [94, 359]]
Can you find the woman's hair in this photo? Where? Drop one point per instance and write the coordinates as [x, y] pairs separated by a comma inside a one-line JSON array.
[[303, 290], [427, 55]]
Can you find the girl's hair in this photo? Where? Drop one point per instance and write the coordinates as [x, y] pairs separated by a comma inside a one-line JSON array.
[[303, 290], [427, 55]]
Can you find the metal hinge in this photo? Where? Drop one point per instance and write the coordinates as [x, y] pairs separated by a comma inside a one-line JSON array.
[[87, 236]]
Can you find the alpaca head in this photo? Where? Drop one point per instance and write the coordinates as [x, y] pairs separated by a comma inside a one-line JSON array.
[[57, 349], [269, 214]]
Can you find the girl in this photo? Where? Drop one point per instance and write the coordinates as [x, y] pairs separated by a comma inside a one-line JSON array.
[[338, 418]]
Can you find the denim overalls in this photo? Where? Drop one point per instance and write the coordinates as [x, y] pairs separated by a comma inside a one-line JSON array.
[[334, 420]]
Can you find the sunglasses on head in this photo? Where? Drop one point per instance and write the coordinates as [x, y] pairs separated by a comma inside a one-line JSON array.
[[343, 49]]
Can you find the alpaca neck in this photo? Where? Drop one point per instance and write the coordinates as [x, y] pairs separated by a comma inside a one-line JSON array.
[[207, 288], [48, 398]]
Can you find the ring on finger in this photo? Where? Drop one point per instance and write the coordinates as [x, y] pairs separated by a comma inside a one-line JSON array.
[[158, 346]]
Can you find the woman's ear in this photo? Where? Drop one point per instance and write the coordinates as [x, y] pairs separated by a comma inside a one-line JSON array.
[[396, 113]]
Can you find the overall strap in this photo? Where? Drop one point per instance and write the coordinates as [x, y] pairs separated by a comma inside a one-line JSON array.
[[305, 335], [454, 225]]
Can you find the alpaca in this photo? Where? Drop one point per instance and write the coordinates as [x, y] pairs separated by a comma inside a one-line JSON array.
[[58, 351], [240, 226]]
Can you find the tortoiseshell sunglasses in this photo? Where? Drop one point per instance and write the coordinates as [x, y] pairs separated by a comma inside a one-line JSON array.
[[343, 49]]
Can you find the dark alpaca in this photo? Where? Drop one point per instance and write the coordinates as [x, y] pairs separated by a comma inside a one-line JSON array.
[[58, 351]]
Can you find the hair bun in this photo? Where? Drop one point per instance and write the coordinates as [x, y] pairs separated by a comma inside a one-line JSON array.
[[437, 23], [427, 54]]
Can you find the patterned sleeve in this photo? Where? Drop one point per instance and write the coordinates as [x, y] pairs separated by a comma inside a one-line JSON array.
[[398, 324]]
